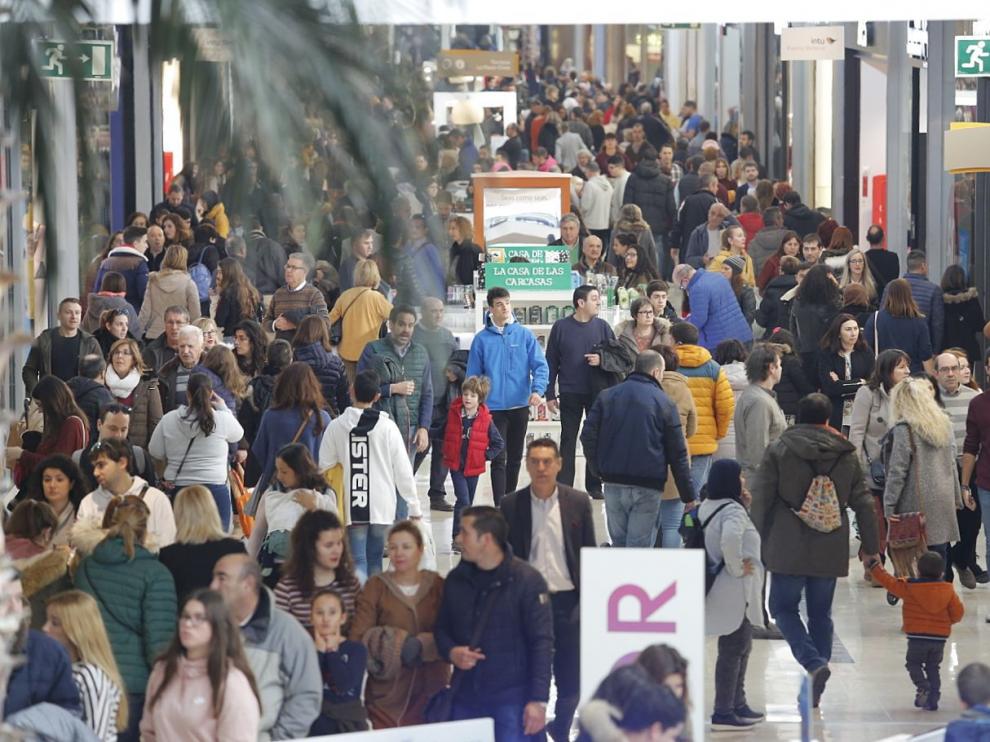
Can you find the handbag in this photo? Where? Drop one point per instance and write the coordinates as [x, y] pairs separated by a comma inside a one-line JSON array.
[[169, 486], [440, 707], [337, 328], [906, 537], [305, 422]]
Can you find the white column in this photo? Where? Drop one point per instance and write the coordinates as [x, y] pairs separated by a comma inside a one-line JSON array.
[[941, 110], [898, 138], [802, 108], [705, 61], [580, 38], [62, 248], [598, 51]]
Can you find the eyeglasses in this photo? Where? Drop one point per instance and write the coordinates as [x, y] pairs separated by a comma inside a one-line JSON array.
[[209, 333], [295, 267], [196, 619], [645, 312], [122, 352], [858, 261]]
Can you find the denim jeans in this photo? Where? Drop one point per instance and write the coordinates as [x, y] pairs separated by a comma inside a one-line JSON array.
[[464, 488], [221, 495], [669, 522], [811, 645], [700, 466], [632, 515], [984, 497], [508, 720], [367, 542]]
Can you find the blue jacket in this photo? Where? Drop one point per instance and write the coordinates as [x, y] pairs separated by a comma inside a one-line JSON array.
[[277, 428], [715, 310], [421, 274], [518, 637], [329, 370], [974, 726], [45, 677], [928, 297], [513, 361], [133, 266], [633, 433], [697, 242], [909, 334]]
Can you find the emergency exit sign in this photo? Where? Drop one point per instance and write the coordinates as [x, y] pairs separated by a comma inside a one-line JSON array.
[[60, 58], [972, 56]]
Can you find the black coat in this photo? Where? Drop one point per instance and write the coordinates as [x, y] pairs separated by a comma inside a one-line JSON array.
[[770, 315], [793, 384], [575, 516], [192, 565], [838, 391], [885, 265], [799, 218], [465, 259], [329, 370], [518, 637], [694, 211], [90, 396], [963, 323], [653, 193]]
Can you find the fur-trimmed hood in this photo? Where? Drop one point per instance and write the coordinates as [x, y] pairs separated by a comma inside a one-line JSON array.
[[87, 534], [959, 298], [597, 718], [38, 572]]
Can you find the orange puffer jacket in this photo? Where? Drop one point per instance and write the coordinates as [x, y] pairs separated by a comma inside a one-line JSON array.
[[712, 394], [930, 606]]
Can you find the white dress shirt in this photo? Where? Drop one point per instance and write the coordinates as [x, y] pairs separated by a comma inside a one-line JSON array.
[[546, 553]]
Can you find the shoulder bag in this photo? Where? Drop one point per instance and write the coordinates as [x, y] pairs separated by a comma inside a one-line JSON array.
[[337, 328], [906, 537], [169, 486], [440, 707]]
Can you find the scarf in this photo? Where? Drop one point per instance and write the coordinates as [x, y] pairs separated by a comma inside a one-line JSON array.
[[359, 449], [119, 387]]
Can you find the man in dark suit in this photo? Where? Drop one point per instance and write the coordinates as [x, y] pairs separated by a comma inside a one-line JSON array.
[[548, 524]]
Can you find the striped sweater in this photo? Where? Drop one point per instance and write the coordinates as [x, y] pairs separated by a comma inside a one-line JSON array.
[[291, 598], [957, 407], [295, 306], [100, 699]]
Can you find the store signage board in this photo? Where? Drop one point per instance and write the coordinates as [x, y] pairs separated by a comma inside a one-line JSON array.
[[634, 598], [812, 43], [95, 59], [972, 56], [528, 268], [477, 63]]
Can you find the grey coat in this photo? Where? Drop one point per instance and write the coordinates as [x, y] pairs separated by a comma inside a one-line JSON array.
[[868, 423], [731, 537], [930, 486], [791, 462]]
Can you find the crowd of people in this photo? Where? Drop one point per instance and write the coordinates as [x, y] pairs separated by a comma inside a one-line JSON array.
[[223, 434]]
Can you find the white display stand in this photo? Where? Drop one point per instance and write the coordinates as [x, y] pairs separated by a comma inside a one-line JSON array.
[[471, 730]]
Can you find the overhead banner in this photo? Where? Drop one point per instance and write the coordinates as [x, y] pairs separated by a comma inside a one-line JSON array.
[[634, 598], [476, 63], [812, 43]]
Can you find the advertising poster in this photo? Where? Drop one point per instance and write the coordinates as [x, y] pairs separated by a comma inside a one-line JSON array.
[[521, 216], [632, 598], [528, 267]]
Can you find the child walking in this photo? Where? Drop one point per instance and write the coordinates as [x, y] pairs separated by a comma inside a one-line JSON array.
[[342, 666], [469, 442], [930, 607]]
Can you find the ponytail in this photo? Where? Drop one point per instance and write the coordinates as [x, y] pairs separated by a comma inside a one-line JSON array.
[[129, 523], [199, 402]]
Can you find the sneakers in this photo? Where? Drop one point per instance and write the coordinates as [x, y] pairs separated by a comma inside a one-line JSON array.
[[921, 698], [747, 714], [818, 679], [967, 578], [440, 505], [982, 576], [730, 723]]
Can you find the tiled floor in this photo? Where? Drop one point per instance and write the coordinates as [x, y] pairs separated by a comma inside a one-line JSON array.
[[869, 698]]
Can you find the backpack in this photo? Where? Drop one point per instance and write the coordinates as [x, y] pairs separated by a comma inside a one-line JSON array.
[[692, 530], [202, 276], [820, 510]]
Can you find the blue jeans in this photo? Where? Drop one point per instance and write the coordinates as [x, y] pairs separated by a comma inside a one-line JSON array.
[[508, 720], [221, 494], [984, 496], [669, 522], [700, 466], [464, 489], [811, 645], [632, 515], [367, 542]]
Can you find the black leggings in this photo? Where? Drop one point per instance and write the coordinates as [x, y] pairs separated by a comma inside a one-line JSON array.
[[512, 425]]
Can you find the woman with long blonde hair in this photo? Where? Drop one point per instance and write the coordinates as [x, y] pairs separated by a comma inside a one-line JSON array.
[[858, 271], [921, 473], [73, 620]]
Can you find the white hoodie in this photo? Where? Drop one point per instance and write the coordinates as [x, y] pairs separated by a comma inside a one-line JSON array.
[[596, 202], [389, 465]]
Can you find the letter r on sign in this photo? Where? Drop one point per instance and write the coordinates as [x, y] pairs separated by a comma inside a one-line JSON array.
[[647, 607]]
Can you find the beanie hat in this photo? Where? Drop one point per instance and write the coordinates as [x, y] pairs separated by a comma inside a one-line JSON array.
[[737, 263], [723, 480]]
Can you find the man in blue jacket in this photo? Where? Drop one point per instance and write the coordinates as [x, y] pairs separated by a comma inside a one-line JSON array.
[[714, 308], [927, 295], [632, 434], [496, 627], [508, 354], [973, 683]]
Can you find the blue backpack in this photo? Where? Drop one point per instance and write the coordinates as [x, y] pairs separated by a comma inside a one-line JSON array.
[[202, 276]]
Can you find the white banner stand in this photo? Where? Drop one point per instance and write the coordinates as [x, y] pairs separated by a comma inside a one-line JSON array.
[[470, 730], [632, 598]]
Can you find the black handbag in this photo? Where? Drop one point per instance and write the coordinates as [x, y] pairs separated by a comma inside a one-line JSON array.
[[440, 707], [337, 328]]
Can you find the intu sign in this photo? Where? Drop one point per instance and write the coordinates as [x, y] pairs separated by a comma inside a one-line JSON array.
[[813, 43]]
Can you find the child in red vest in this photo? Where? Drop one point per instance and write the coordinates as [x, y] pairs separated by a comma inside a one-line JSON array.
[[470, 441]]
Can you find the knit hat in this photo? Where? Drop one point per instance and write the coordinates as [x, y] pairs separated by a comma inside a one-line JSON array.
[[737, 263], [723, 480]]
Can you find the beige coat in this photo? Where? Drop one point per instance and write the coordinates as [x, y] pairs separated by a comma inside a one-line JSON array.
[[167, 288], [676, 387]]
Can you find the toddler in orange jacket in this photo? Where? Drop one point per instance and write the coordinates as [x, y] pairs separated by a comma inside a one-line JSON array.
[[929, 608]]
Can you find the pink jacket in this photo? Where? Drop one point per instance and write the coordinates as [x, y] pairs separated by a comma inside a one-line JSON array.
[[185, 710]]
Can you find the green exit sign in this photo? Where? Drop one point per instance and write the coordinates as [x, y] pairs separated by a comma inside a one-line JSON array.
[[972, 56], [94, 59]]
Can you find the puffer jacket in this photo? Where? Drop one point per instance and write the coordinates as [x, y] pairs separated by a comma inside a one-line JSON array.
[[329, 370], [715, 311], [713, 398], [133, 266], [97, 304], [137, 601], [675, 385], [653, 193], [930, 606], [167, 288], [219, 216], [781, 484], [735, 372]]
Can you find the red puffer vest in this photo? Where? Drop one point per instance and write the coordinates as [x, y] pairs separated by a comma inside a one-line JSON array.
[[477, 442]]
